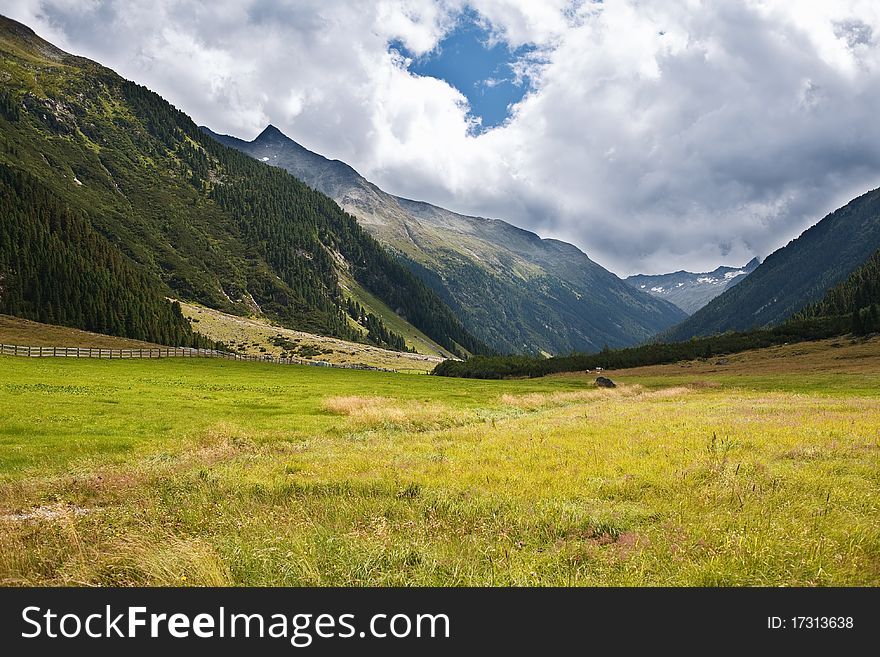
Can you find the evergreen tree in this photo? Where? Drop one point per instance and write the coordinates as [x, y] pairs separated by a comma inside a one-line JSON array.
[[856, 324]]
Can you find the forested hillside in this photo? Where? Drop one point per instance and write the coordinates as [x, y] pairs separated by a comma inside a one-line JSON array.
[[173, 213], [857, 297], [54, 268]]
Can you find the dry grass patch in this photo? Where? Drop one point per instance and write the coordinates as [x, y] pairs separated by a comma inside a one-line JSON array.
[[663, 393], [258, 336], [14, 330], [353, 404], [161, 560], [387, 413], [67, 557], [538, 400]]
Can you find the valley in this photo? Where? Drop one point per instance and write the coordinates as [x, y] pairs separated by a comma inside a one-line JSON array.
[[516, 292], [794, 276], [135, 205]]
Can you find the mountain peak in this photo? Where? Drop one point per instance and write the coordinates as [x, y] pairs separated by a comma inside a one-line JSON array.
[[270, 131]]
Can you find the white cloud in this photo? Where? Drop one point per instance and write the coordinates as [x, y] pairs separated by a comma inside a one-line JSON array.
[[658, 136]]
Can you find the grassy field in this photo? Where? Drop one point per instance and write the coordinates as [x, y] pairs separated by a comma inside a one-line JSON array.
[[257, 336], [758, 469]]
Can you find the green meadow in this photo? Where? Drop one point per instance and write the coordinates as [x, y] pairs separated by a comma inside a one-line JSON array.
[[763, 471]]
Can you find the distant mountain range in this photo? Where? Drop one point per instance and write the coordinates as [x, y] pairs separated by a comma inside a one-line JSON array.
[[795, 275], [112, 200], [690, 291], [510, 288]]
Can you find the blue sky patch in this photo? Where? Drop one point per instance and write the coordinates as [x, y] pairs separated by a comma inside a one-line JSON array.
[[481, 70]]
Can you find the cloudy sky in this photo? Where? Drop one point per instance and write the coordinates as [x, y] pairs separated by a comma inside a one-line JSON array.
[[654, 135]]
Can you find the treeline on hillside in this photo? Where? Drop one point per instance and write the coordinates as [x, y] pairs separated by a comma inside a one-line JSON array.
[[377, 332], [500, 367], [858, 297], [297, 231], [55, 268]]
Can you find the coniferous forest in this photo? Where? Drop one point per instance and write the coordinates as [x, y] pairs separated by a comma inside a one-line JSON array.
[[57, 270]]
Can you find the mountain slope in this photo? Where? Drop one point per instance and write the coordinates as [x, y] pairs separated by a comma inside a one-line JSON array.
[[795, 275], [186, 216], [691, 291], [512, 289], [857, 297]]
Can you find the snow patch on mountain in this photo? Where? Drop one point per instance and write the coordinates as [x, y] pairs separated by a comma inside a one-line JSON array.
[[688, 290]]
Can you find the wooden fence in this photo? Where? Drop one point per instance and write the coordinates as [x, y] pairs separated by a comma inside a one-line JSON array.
[[169, 352]]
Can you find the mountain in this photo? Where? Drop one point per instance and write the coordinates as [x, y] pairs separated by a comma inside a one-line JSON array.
[[795, 275], [512, 289], [114, 200], [690, 291]]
